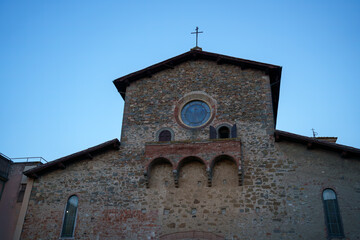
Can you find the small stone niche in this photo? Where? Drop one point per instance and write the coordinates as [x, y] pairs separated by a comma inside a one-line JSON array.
[[193, 212], [258, 181], [223, 211], [166, 211]]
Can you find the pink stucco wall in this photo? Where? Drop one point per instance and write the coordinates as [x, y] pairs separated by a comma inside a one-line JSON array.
[[9, 207]]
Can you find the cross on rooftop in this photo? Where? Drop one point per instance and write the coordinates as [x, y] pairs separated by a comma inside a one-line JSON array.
[[314, 133], [197, 33]]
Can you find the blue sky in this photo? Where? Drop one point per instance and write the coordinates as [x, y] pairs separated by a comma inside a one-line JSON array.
[[58, 60]]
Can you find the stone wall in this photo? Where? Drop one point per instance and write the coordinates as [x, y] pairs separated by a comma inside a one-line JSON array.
[[108, 206], [282, 183], [313, 172], [283, 202], [241, 96]]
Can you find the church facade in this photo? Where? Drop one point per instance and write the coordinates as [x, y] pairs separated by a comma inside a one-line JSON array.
[[199, 158]]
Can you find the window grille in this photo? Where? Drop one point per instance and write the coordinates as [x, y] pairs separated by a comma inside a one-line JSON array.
[[332, 214], [70, 217]]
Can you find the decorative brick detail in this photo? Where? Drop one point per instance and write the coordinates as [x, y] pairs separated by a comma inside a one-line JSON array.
[[207, 152]]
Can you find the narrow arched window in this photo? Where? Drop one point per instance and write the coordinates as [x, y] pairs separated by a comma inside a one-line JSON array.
[[70, 217], [165, 135], [332, 214], [224, 132]]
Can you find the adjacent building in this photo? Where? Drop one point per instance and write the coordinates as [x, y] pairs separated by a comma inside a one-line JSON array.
[[13, 184]]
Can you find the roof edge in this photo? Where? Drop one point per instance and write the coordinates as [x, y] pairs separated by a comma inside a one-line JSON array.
[[61, 163], [192, 54], [273, 71], [345, 151]]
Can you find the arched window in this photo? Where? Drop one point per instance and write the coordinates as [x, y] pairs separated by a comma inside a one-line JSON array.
[[332, 214], [70, 217], [165, 135], [224, 132]]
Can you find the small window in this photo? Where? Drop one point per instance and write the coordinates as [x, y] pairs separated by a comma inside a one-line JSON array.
[[21, 193], [2, 185], [193, 211], [332, 214], [165, 135], [70, 217], [224, 132]]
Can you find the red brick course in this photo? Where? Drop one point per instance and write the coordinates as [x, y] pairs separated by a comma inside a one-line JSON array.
[[208, 151]]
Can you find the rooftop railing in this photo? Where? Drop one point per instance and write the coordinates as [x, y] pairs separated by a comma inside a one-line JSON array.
[[29, 159]]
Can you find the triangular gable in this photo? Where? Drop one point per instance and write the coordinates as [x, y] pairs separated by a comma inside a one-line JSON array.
[[273, 71]]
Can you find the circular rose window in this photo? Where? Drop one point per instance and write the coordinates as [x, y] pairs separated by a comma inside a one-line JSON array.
[[195, 113]]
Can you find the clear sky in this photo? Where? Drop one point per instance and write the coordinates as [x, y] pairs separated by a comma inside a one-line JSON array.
[[58, 60]]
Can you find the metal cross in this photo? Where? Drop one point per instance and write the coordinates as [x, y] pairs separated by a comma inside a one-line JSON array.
[[314, 133], [197, 33]]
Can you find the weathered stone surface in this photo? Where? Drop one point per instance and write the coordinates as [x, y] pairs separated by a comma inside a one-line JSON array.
[[282, 183]]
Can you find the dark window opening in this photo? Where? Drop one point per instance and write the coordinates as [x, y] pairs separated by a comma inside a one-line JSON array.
[[2, 185], [165, 135], [21, 193], [332, 214], [234, 131], [224, 132]]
